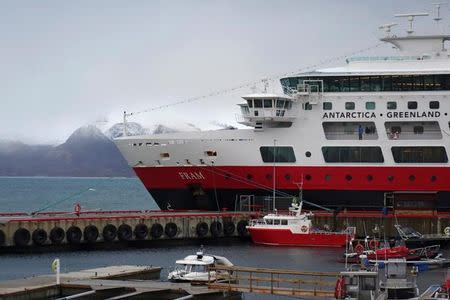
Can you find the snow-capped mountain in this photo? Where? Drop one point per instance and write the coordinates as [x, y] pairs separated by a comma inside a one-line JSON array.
[[133, 128]]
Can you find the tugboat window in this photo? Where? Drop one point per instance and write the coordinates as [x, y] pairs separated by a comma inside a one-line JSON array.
[[279, 154]]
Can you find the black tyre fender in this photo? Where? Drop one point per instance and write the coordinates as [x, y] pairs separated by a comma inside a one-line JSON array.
[[125, 233], [216, 228], [202, 229], [39, 237], [109, 233], [57, 235], [242, 228], [228, 228], [2, 238], [21, 237], [156, 231], [140, 231], [90, 233], [73, 235], [171, 229]]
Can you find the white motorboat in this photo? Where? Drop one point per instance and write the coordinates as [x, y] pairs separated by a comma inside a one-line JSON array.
[[196, 267]]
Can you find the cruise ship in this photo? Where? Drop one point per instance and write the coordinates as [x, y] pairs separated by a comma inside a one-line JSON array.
[[373, 133]]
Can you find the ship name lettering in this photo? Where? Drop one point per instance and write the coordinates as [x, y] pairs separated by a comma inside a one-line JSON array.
[[413, 114], [349, 115], [191, 175]]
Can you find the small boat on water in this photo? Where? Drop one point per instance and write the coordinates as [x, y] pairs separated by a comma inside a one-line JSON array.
[[194, 268], [295, 229]]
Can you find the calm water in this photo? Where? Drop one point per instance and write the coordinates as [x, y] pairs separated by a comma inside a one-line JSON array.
[[31, 194]]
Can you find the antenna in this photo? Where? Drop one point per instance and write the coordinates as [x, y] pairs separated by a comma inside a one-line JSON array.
[[387, 28], [411, 19], [438, 11], [265, 82]]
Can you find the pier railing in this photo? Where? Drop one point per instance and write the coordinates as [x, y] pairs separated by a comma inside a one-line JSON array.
[[272, 281]]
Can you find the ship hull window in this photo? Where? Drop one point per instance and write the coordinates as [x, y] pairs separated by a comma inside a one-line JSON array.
[[352, 154], [434, 104], [278, 154], [419, 154], [327, 106], [350, 105], [370, 105], [392, 105], [412, 105]]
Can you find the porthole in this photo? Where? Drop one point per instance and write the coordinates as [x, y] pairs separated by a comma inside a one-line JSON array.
[[369, 177], [433, 178], [348, 177], [390, 178], [308, 177], [327, 177], [308, 154], [249, 176], [412, 177], [287, 177]]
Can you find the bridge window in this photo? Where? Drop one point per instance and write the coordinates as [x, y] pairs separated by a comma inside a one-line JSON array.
[[284, 222], [425, 154], [267, 103], [250, 103], [280, 103], [370, 105], [352, 154], [258, 103], [412, 104], [434, 104], [327, 106], [349, 105], [392, 105], [279, 154]]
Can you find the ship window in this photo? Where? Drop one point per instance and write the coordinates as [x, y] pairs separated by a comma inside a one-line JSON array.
[[396, 129], [418, 130], [352, 154], [250, 103], [165, 155], [392, 105], [280, 103], [308, 106], [256, 113], [370, 105], [327, 106], [269, 221], [279, 154], [211, 153], [258, 103], [276, 222], [412, 104], [425, 154], [349, 105], [434, 104], [284, 222], [267, 103]]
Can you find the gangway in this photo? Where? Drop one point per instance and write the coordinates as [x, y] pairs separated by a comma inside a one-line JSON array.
[[283, 282]]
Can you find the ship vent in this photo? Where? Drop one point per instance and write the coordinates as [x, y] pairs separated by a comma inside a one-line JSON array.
[[259, 126]]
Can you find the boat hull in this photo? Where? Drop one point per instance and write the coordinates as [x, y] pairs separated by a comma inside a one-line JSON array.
[[285, 237]]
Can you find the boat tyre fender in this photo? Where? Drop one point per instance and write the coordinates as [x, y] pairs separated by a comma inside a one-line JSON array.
[[73, 235], [215, 228], [109, 233], [374, 244], [359, 248], [228, 228], [242, 228], [140, 231], [21, 237], [202, 229], [339, 289], [57, 235], [2, 238], [156, 231], [39, 237], [90, 233], [125, 232], [171, 229]]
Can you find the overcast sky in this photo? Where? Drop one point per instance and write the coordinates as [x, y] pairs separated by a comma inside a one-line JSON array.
[[64, 64]]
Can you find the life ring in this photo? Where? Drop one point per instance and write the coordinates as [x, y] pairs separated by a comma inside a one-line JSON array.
[[339, 289], [2, 238], [21, 237], [171, 229], [447, 230], [125, 233], [228, 228], [109, 233], [90, 233], [215, 228], [140, 231], [242, 228], [202, 229], [39, 237], [304, 228], [359, 248], [73, 235], [57, 235], [374, 244], [156, 231]]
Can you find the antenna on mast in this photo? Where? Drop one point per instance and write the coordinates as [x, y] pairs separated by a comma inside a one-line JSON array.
[[411, 19], [387, 28], [438, 11]]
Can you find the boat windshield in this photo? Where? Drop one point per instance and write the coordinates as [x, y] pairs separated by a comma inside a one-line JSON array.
[[194, 268]]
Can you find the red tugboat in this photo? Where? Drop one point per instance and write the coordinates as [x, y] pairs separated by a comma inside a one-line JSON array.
[[295, 229]]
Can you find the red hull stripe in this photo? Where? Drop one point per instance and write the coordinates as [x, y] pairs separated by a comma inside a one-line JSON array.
[[284, 237], [314, 178]]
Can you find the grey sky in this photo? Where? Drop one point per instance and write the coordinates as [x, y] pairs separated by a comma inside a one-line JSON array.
[[68, 63]]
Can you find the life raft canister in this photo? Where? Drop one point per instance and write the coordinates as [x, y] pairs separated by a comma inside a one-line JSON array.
[[304, 228], [339, 289]]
